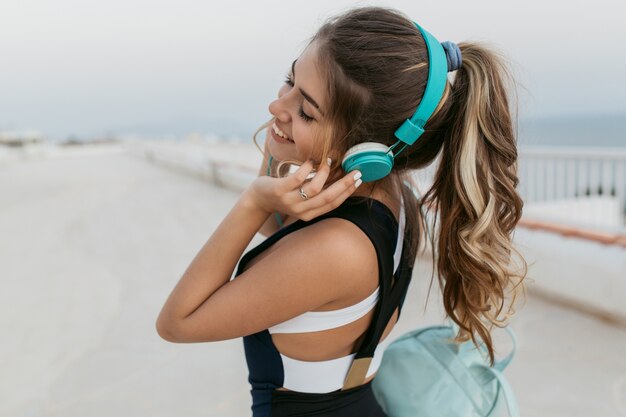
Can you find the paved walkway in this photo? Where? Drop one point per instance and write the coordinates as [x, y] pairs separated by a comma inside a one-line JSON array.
[[91, 246]]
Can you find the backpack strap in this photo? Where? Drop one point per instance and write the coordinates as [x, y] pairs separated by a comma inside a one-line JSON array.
[[503, 363], [450, 361], [483, 374], [499, 365], [509, 398]]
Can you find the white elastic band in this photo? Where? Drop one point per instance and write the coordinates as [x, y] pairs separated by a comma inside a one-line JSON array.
[[314, 321], [398, 252], [325, 376]]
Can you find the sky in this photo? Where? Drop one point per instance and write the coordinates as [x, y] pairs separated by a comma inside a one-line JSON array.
[[89, 68]]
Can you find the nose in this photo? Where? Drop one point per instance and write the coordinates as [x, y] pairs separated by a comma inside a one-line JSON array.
[[279, 107]]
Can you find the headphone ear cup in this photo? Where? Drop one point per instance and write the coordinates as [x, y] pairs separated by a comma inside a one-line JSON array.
[[374, 160]]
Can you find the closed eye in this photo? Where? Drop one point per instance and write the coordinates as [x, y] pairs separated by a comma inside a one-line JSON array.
[[301, 112]]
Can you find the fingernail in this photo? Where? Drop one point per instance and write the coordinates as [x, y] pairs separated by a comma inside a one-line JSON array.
[[357, 183], [357, 175], [329, 161]]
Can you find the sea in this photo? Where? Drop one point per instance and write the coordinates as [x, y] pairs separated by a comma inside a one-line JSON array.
[[596, 130], [602, 130]]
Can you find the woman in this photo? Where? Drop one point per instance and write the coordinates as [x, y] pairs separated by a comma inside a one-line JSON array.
[[315, 302]]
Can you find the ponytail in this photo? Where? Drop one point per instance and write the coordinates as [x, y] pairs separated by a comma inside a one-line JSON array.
[[474, 195]]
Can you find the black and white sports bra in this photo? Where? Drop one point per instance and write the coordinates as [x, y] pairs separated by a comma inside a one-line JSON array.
[[270, 369]]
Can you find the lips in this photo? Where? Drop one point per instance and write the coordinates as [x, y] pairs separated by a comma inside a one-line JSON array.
[[279, 139], [278, 132]]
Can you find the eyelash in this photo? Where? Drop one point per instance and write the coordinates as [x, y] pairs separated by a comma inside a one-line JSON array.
[[301, 112]]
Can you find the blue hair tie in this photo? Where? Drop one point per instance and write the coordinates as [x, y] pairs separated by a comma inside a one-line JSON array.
[[453, 55]]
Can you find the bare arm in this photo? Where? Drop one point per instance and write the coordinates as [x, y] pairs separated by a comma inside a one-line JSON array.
[[206, 306], [289, 281], [211, 268]]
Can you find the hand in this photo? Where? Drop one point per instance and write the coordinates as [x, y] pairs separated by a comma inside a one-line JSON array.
[[293, 196]]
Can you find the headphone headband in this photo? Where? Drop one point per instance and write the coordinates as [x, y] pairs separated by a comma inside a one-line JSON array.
[[375, 160], [413, 128]]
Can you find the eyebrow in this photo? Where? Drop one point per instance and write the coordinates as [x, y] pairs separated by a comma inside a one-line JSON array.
[[304, 94]]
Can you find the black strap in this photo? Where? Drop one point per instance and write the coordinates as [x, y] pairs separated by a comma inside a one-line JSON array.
[[391, 297]]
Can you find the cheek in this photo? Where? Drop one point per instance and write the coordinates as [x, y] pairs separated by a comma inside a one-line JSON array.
[[306, 141]]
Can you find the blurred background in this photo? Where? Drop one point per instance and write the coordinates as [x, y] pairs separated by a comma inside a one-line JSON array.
[[125, 138]]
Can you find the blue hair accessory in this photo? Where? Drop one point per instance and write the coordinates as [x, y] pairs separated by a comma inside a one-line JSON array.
[[453, 55]]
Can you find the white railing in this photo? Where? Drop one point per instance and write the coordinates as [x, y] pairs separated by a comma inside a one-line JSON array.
[[558, 173], [569, 174], [576, 183]]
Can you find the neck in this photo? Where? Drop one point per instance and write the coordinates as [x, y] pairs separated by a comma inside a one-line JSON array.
[[386, 191], [364, 190]]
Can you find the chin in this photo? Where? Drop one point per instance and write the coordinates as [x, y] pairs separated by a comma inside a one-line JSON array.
[[282, 153], [276, 151]]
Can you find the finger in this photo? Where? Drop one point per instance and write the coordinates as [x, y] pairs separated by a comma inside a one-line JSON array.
[[316, 185], [350, 181], [335, 194], [296, 179], [337, 199]]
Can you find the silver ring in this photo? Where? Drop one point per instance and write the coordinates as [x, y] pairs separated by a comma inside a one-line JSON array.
[[303, 194]]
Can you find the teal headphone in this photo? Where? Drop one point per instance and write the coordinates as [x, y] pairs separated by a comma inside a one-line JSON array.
[[373, 159]]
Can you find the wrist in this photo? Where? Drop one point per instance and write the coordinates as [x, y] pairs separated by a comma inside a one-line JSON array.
[[249, 203]]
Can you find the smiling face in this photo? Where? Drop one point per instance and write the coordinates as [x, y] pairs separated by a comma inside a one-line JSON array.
[[299, 111]]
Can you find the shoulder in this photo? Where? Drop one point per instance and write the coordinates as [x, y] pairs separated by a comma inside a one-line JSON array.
[[335, 249]]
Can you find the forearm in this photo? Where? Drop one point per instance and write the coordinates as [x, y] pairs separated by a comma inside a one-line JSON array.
[[271, 224], [214, 264]]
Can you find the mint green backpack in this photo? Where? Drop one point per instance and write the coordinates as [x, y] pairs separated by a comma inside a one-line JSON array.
[[422, 374]]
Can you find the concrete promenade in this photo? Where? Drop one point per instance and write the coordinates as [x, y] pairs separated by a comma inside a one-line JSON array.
[[92, 244]]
